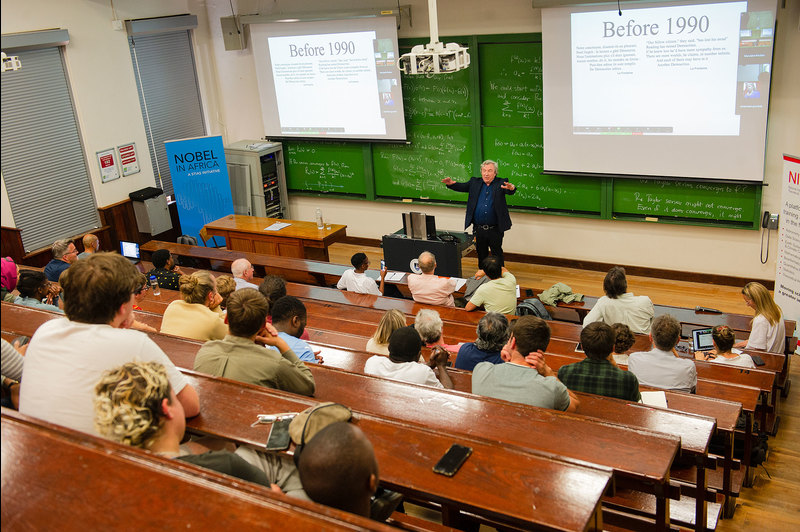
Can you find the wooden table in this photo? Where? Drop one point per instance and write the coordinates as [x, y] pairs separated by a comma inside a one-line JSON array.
[[302, 240]]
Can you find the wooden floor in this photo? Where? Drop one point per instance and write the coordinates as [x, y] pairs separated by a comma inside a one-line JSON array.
[[771, 504]]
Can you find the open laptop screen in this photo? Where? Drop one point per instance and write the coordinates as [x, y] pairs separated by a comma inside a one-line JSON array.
[[129, 250], [701, 339]]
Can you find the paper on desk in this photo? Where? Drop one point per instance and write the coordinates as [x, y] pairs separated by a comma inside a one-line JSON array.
[[517, 291], [736, 351], [277, 226], [460, 282], [394, 277], [655, 399]]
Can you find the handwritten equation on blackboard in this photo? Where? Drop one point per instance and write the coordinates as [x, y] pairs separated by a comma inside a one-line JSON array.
[[713, 201], [317, 167]]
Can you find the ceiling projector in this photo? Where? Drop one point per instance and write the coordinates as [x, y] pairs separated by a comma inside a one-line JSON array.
[[434, 58]]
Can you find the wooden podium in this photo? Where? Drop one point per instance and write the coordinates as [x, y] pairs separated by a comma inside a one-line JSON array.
[[301, 240]]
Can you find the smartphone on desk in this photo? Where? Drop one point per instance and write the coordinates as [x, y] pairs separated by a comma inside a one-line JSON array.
[[452, 460], [278, 439]]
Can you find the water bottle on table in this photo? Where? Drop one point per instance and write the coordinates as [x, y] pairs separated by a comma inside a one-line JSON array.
[[154, 285]]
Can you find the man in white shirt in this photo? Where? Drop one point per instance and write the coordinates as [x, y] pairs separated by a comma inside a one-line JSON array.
[[243, 272], [356, 280], [621, 306], [405, 346], [67, 356], [429, 288], [661, 367]]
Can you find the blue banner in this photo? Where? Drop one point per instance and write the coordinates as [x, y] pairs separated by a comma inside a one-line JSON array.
[[200, 179]]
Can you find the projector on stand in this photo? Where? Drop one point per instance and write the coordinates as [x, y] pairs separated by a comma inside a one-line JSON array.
[[434, 58]]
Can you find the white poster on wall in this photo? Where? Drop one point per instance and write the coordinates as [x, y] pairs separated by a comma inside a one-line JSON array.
[[787, 265]]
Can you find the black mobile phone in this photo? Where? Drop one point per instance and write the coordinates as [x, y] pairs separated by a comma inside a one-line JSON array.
[[278, 439], [452, 460], [757, 360]]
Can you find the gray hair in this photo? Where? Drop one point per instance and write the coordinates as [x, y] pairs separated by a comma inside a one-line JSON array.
[[60, 248], [239, 266], [427, 262], [487, 162], [493, 332], [429, 325]]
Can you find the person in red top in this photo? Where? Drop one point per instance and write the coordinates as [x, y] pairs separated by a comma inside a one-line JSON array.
[[428, 287]]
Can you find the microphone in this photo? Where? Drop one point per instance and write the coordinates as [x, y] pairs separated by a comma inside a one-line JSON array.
[[707, 309]]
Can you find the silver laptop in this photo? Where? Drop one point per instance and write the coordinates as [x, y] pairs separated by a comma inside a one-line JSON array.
[[701, 339]]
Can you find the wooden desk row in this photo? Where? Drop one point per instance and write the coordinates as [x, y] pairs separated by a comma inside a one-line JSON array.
[[57, 478]]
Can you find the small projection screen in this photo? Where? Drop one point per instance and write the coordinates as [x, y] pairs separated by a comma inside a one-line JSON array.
[[674, 89], [332, 79]]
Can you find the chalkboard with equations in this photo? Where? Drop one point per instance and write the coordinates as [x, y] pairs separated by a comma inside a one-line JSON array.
[[493, 110]]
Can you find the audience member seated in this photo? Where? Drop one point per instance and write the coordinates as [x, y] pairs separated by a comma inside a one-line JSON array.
[[67, 356], [597, 373], [493, 333], [289, 319], [405, 349], [621, 306], [524, 377], [142, 286], [194, 315], [242, 354], [243, 273], [64, 254], [338, 468], [497, 295], [391, 321], [91, 244], [254, 353], [661, 366], [428, 287], [356, 280], [13, 362], [225, 287], [274, 288], [623, 341], [723, 338], [429, 325], [166, 271], [135, 405], [10, 273], [768, 332], [33, 287]]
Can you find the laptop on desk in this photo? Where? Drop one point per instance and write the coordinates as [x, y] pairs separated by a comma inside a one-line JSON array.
[[130, 250], [701, 339]]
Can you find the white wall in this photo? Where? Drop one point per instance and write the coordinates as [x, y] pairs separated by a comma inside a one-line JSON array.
[[103, 86]]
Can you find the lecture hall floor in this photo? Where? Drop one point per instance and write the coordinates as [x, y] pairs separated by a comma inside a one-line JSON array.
[[771, 504]]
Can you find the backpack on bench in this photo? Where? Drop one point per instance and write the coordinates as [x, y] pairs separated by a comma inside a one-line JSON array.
[[532, 307]]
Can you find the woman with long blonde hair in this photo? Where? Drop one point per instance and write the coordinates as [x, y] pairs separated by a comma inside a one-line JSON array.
[[390, 322], [768, 331]]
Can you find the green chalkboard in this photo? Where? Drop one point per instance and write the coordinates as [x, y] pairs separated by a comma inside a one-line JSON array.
[[511, 84], [334, 167], [518, 152], [443, 99], [687, 200], [415, 170]]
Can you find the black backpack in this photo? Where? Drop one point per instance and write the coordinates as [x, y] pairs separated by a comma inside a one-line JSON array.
[[533, 307]]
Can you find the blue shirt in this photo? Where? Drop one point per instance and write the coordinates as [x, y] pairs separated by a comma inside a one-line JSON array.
[[300, 347], [484, 210], [54, 269], [469, 356], [35, 303]]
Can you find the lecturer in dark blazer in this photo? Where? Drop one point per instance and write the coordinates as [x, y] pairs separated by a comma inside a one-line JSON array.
[[486, 209]]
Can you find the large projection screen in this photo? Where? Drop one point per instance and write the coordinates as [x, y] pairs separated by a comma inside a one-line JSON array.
[[671, 89], [332, 79]]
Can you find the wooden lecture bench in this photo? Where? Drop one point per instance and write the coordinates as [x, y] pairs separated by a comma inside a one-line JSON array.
[[58, 478]]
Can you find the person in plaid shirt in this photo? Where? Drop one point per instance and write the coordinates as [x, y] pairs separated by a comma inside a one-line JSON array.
[[598, 373]]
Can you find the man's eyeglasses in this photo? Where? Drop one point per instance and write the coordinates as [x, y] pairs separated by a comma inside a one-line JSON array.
[[141, 289]]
